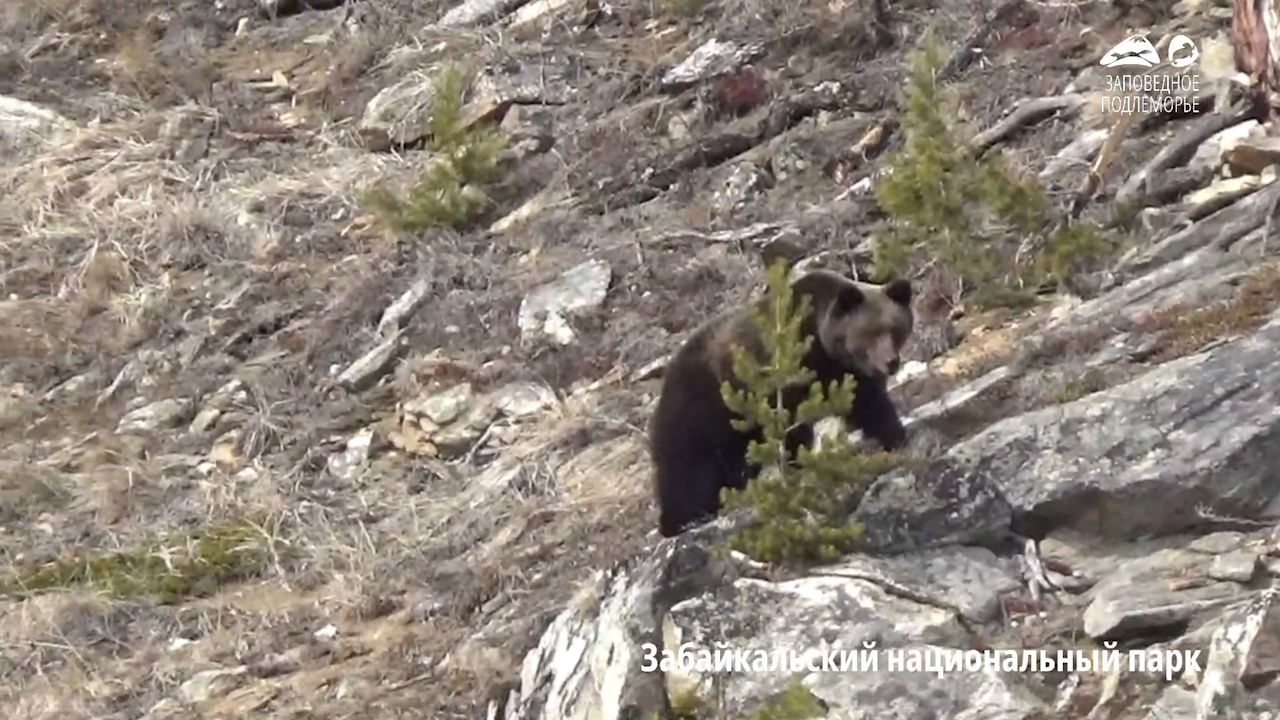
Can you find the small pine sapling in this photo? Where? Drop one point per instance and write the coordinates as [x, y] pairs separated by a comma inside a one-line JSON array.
[[801, 502], [977, 220], [465, 158]]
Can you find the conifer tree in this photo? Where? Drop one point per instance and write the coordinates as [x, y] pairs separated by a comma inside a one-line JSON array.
[[802, 502], [450, 192]]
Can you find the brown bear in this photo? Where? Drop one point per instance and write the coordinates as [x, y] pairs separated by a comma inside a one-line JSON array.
[[858, 328]]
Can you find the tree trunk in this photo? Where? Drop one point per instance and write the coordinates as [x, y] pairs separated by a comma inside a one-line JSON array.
[[1255, 38]]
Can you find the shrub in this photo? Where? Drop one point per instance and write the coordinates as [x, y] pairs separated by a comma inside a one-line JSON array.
[[801, 502], [168, 571], [993, 231], [794, 703], [465, 158]]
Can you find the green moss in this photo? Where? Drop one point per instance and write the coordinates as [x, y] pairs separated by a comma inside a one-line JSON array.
[[795, 703], [450, 192], [688, 707], [167, 571], [993, 230], [802, 509]]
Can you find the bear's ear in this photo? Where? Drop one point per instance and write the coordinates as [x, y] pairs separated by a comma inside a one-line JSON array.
[[899, 291], [848, 299]]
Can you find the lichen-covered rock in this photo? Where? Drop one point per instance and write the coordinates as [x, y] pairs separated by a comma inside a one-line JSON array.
[[970, 579], [940, 504], [1201, 431], [547, 309], [982, 695], [1243, 655], [1166, 589], [807, 615], [588, 662]]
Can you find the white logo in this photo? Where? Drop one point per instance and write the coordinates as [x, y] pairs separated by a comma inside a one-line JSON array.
[[1137, 50], [1133, 50], [1182, 42]]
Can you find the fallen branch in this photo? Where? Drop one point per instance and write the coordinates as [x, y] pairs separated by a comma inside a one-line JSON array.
[[710, 152], [1026, 113], [1181, 149], [971, 47], [1176, 183], [1100, 164]]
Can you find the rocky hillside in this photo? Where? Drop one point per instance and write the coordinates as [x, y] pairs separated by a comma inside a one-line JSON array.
[[267, 452]]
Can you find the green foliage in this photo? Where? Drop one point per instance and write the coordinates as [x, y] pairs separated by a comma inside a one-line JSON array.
[[802, 508], [168, 571], [970, 215], [465, 158], [794, 703], [688, 707]]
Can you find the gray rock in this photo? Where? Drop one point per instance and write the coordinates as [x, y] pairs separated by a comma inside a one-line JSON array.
[[959, 398], [1235, 220], [1175, 703], [588, 662], [443, 407], [982, 695], [458, 437], [211, 684], [546, 310], [1199, 431], [521, 400], [744, 183], [1078, 154], [371, 366], [712, 59], [1217, 543], [1240, 566], [969, 579], [401, 113], [807, 615], [350, 463], [1222, 193], [1162, 590], [394, 317], [162, 415], [938, 505], [1090, 559], [1243, 650], [24, 124], [476, 12]]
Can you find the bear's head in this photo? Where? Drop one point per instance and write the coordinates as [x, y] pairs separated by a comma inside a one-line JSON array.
[[865, 326]]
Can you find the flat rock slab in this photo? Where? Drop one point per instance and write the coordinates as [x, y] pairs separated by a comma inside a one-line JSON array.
[[1199, 432], [983, 695], [939, 505], [1162, 590], [971, 579], [804, 615]]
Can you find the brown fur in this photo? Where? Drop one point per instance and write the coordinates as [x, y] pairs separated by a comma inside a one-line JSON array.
[[858, 329]]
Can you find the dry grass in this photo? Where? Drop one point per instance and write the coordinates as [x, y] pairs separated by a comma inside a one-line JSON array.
[[1185, 330], [1090, 381], [164, 251]]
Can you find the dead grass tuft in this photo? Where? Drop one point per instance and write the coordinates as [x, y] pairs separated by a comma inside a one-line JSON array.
[[1185, 330], [1091, 381], [27, 489]]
